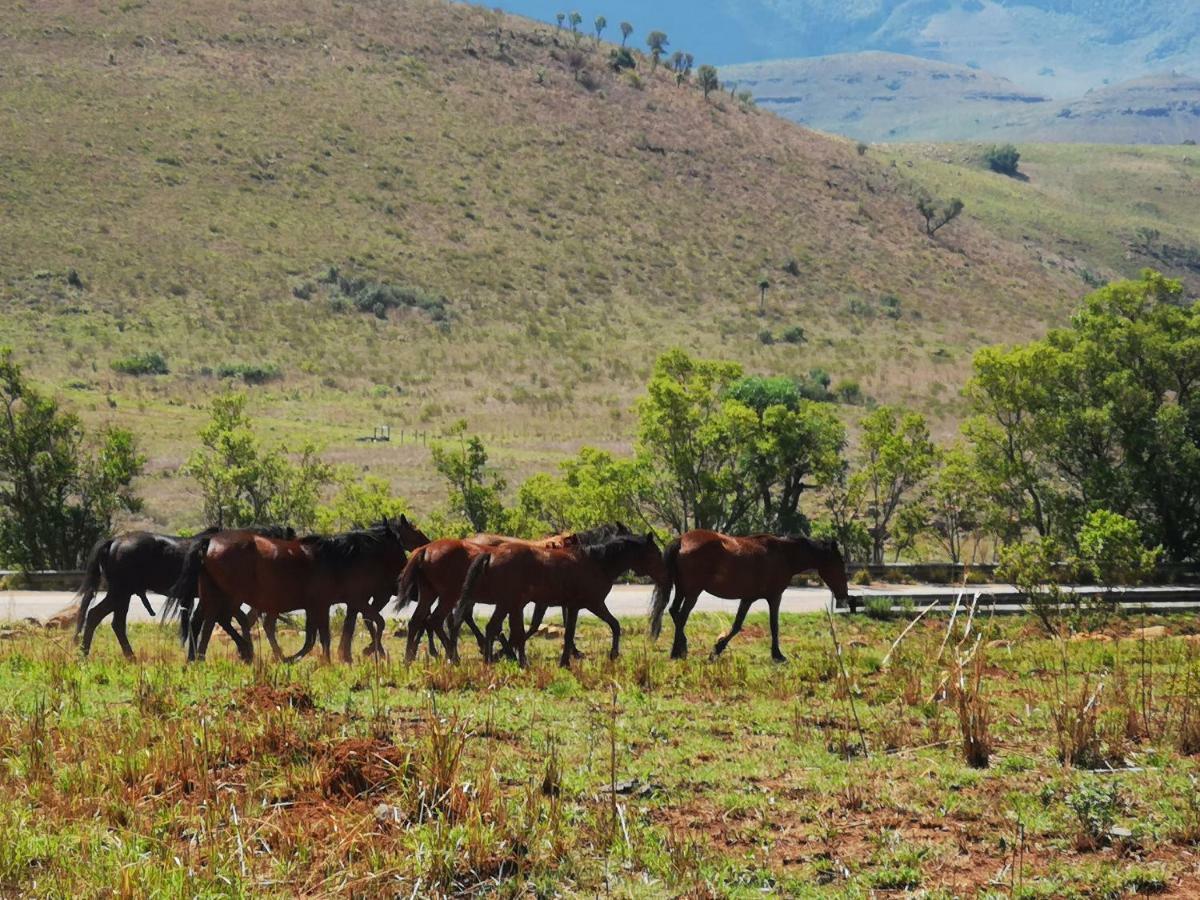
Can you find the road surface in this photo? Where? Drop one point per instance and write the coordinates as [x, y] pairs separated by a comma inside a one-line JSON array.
[[625, 601]]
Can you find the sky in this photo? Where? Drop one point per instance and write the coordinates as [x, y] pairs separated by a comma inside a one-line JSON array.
[[712, 32]]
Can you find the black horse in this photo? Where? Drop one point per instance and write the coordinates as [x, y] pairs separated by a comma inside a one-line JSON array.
[[137, 563]]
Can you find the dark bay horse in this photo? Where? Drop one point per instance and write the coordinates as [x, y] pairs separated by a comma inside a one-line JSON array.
[[276, 576], [740, 568], [575, 578], [434, 576], [135, 564]]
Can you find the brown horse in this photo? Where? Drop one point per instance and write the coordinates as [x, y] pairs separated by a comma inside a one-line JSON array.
[[740, 568], [435, 574], [575, 578], [277, 576]]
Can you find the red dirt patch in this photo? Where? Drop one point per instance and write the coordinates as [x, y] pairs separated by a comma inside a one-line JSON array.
[[262, 696], [361, 767]]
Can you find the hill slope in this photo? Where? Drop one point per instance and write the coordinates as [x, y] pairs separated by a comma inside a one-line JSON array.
[[203, 173]]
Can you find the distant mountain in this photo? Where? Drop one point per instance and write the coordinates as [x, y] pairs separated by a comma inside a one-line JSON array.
[[890, 97]]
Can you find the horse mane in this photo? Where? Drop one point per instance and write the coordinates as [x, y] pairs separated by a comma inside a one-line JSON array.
[[609, 549], [343, 549], [278, 532], [601, 533], [825, 545]]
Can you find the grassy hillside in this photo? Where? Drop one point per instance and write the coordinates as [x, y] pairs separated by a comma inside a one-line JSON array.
[[1104, 212], [201, 171]]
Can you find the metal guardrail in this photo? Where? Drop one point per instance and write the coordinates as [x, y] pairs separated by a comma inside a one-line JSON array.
[[1182, 598]]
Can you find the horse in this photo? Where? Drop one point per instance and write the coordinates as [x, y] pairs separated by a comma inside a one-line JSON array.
[[435, 573], [575, 578], [277, 576], [413, 539], [743, 569], [135, 564]]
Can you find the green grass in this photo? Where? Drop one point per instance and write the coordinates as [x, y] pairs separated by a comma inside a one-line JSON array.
[[381, 779]]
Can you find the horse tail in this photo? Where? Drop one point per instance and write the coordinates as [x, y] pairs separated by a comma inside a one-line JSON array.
[[662, 592], [408, 588], [187, 586], [466, 600], [91, 580]]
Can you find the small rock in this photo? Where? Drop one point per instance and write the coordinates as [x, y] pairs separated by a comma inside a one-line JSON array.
[[999, 645], [386, 814], [1150, 633]]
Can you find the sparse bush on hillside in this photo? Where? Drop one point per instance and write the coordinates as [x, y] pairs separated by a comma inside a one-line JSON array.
[[706, 77], [151, 363], [378, 298], [746, 98], [620, 58], [599, 24], [938, 215], [794, 335], [251, 373], [891, 306], [766, 337], [626, 31], [1003, 159], [862, 148], [576, 63], [848, 392]]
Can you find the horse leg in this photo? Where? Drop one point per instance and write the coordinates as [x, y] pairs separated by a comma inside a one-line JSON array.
[[94, 617], [600, 611], [346, 645], [270, 623], [416, 624], [376, 624], [679, 647], [322, 617], [743, 608], [118, 627], [776, 653], [245, 646], [200, 651], [570, 617], [310, 638], [495, 623], [516, 633]]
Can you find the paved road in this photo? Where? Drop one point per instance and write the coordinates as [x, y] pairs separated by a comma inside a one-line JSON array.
[[625, 601]]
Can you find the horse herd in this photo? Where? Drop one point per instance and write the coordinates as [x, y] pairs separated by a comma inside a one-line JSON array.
[[232, 577]]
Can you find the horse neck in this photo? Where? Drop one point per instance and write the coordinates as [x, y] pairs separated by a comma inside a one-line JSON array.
[[801, 555]]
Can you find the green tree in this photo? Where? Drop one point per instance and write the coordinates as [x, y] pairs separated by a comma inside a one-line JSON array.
[[713, 460], [595, 488], [1003, 159], [599, 24], [1112, 549], [576, 19], [657, 42], [1104, 414], [626, 31], [707, 77], [359, 502], [475, 489], [953, 510], [560, 18], [57, 498], [243, 483], [896, 456], [938, 215]]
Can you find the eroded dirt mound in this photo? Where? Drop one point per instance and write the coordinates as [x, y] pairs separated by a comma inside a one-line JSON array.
[[263, 696], [361, 767]]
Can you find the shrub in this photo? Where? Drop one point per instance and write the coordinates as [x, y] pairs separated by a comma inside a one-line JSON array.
[[862, 148], [1095, 808], [141, 364], [891, 306], [765, 337], [1003, 159], [621, 58], [879, 608], [849, 392], [794, 335], [378, 298], [249, 372]]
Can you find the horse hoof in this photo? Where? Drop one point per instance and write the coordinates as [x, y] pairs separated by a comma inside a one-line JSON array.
[[778, 660]]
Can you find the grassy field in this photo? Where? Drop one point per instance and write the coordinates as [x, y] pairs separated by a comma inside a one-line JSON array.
[[733, 778]]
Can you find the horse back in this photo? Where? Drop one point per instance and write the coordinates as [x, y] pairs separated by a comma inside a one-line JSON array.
[[730, 566]]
